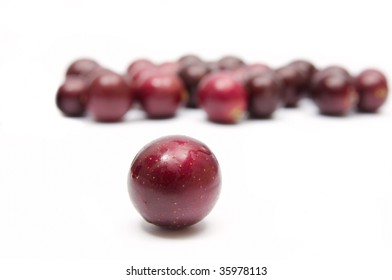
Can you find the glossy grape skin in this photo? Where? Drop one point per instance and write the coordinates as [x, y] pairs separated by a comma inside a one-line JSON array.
[[174, 181]]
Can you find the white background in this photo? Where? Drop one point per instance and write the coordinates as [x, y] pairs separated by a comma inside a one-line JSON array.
[[306, 195]]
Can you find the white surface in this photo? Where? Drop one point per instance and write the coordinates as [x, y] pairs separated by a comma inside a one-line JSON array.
[[307, 195]]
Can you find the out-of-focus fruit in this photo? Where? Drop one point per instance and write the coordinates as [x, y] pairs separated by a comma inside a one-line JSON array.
[[170, 67], [191, 75], [109, 97], [137, 65], [189, 59], [222, 97], [372, 88], [71, 97], [264, 95], [82, 67], [291, 83], [161, 94], [307, 70], [230, 62], [335, 95]]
